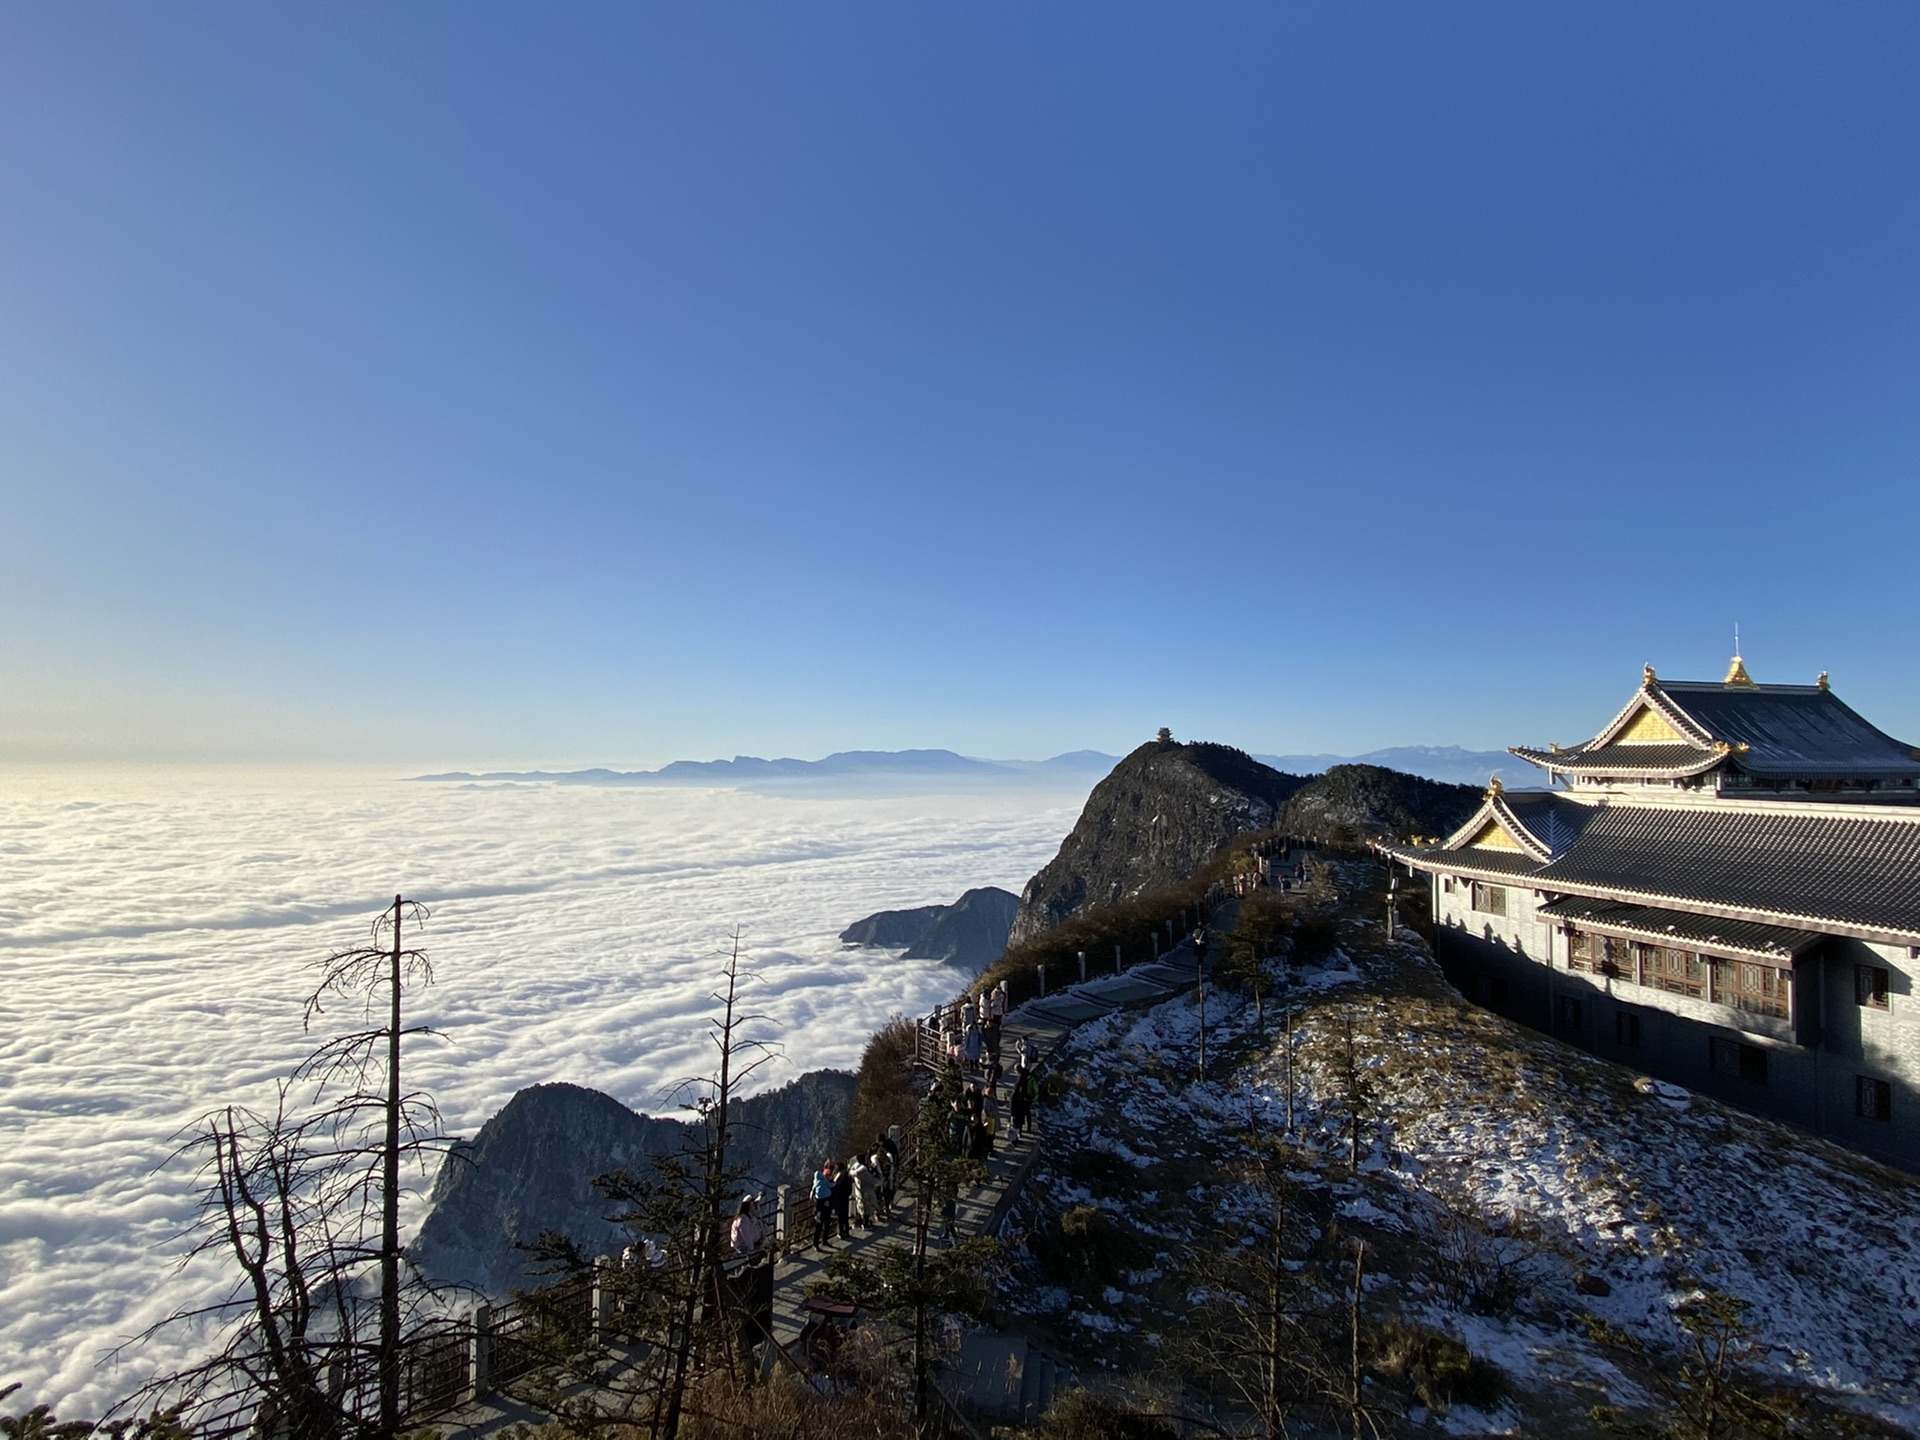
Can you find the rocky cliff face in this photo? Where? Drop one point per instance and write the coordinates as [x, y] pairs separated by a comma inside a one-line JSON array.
[[1163, 812], [970, 932], [532, 1167], [1362, 802], [893, 929]]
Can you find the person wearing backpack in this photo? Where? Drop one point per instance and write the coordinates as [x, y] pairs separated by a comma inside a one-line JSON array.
[[841, 1196], [823, 1206]]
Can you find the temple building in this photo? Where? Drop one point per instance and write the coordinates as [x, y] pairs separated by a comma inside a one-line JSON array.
[[1720, 889]]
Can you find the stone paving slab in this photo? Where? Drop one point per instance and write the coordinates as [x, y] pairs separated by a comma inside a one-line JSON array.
[[1072, 1008], [1125, 989]]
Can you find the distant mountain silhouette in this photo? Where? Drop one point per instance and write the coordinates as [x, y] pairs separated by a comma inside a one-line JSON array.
[[751, 769], [1447, 763]]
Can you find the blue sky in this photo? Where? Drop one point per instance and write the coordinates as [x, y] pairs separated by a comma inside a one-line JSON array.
[[479, 384]]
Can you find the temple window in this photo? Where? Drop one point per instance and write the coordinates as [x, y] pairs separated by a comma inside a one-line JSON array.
[[1747, 985], [1665, 967], [1872, 1099], [1870, 986], [1730, 1057], [1583, 950], [1489, 899]]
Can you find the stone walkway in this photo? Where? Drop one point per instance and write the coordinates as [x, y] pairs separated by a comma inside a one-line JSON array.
[[1044, 1024]]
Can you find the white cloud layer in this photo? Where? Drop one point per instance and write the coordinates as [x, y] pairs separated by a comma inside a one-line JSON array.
[[156, 931]]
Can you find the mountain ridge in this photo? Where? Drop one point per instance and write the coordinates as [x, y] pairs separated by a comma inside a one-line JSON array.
[[1451, 764], [749, 769]]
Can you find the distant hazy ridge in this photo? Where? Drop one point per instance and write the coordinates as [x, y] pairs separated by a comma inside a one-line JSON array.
[[1447, 763]]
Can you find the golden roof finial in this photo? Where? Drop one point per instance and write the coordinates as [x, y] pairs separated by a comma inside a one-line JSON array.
[[1647, 677], [1737, 672], [1822, 681], [1494, 787]]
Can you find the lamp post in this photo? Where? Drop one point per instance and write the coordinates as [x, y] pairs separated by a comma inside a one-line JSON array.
[[1200, 969]]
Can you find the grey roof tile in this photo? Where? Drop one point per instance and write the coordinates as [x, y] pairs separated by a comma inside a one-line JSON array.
[[1701, 932], [1856, 871], [1793, 730]]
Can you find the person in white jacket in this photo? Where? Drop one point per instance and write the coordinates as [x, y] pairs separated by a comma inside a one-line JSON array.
[[864, 1209]]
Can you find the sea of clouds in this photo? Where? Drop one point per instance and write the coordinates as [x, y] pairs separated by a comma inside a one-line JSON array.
[[158, 929]]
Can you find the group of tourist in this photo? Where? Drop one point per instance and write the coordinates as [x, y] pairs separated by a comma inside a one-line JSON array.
[[859, 1191], [970, 1031], [977, 1117]]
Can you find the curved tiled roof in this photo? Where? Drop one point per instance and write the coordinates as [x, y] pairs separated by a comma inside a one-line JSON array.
[[1664, 760], [1793, 730], [1702, 932], [1855, 873], [1473, 861], [1842, 874], [1773, 732]]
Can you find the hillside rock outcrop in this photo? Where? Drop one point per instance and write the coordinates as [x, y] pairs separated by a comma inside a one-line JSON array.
[[1162, 813], [1369, 802], [971, 932], [532, 1167], [893, 929]]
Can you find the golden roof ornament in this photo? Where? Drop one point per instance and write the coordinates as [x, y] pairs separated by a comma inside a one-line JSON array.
[[1822, 681], [1737, 676], [1647, 677], [1494, 787]]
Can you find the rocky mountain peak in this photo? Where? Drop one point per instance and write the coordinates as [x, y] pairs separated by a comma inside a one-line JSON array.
[[1163, 812]]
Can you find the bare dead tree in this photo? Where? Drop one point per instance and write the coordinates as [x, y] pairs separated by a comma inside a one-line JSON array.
[[680, 1315], [375, 1121], [303, 1202], [713, 1100]]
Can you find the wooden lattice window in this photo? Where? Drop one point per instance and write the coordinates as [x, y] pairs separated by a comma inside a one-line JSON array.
[[1626, 1029], [1751, 986], [1489, 899], [1665, 967], [1583, 951], [1870, 986]]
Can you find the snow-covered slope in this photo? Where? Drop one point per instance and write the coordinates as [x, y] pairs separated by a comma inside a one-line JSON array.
[[1521, 1196]]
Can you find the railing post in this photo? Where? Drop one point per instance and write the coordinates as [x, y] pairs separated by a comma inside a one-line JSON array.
[[1118, 963], [1083, 967], [1043, 981], [601, 1310], [781, 1219], [480, 1352]]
